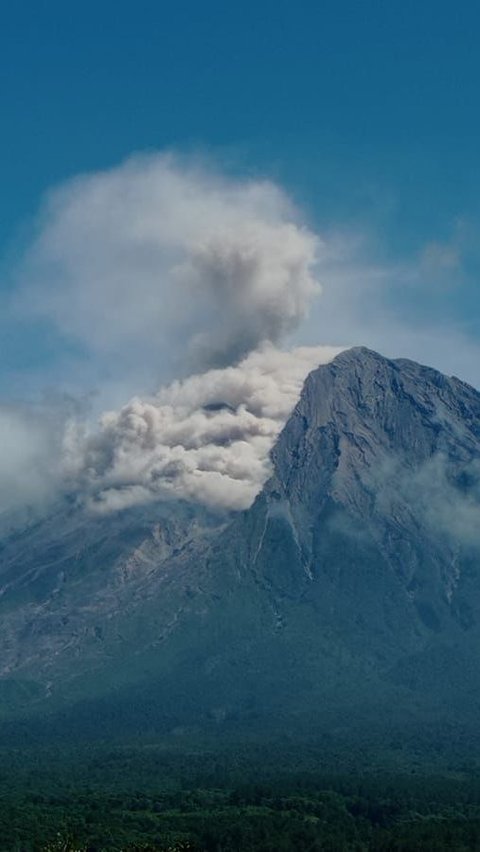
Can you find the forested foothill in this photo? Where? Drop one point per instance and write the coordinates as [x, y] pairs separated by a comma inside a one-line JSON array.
[[149, 797]]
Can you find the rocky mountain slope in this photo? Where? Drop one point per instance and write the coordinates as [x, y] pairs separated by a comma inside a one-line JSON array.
[[347, 595]]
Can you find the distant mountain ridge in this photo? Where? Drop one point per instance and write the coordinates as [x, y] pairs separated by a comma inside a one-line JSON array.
[[349, 592]]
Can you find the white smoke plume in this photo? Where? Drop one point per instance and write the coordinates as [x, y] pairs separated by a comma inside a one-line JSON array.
[[167, 262], [205, 439], [167, 259]]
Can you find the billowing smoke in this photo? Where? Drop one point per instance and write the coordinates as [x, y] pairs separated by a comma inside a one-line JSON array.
[[165, 259], [204, 275], [205, 439], [164, 267]]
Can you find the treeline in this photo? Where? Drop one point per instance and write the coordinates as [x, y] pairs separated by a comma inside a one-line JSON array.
[[250, 817], [148, 797]]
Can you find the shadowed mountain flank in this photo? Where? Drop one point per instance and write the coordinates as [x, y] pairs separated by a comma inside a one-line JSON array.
[[347, 597]]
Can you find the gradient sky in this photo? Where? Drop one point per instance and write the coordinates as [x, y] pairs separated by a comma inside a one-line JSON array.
[[367, 113]]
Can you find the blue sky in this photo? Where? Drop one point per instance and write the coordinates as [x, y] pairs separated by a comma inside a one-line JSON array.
[[366, 113]]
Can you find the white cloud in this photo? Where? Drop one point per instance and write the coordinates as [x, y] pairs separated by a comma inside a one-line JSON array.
[[434, 495], [389, 307], [32, 461]]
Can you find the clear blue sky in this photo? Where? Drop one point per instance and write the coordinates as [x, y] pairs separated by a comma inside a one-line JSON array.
[[368, 112]]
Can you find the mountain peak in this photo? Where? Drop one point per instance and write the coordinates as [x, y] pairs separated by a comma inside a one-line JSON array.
[[393, 448], [355, 571], [380, 388], [362, 359]]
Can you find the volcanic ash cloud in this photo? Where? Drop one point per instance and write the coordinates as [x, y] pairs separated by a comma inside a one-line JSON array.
[[206, 439], [168, 262]]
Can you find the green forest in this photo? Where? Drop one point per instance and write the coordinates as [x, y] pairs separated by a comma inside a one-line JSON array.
[[150, 798]]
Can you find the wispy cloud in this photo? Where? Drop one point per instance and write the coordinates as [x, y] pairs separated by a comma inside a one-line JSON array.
[[32, 456], [391, 307]]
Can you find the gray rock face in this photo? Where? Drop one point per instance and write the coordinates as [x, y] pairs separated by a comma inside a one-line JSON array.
[[350, 589], [390, 451]]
